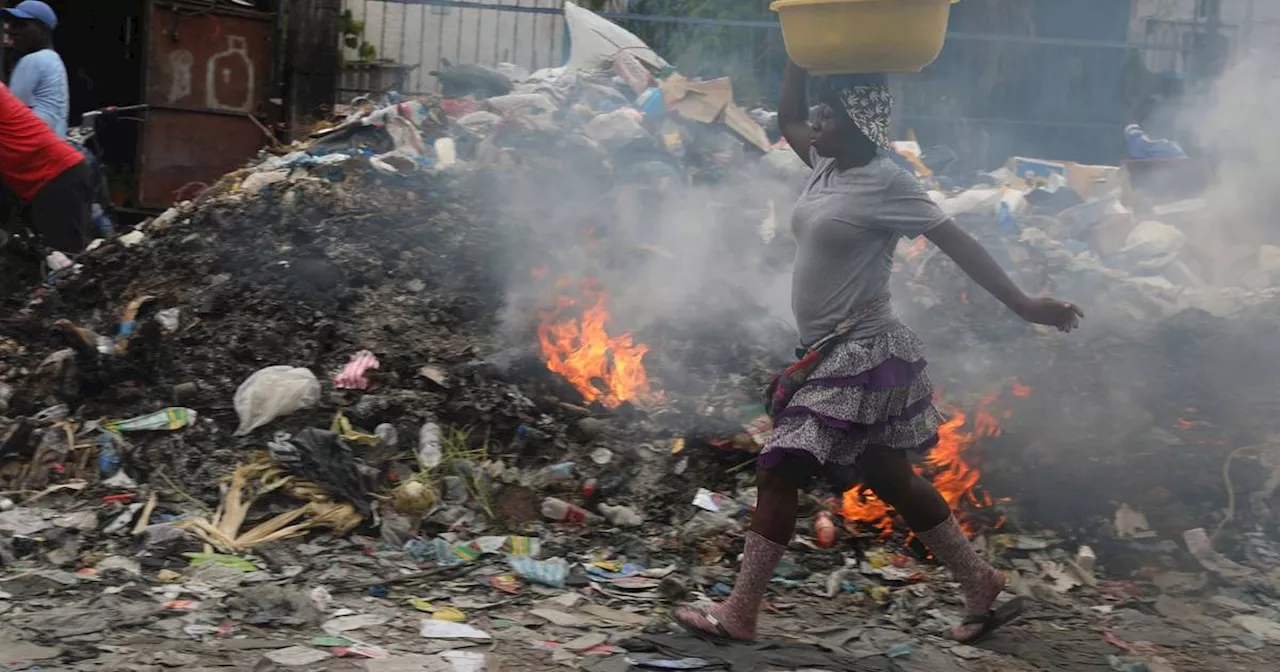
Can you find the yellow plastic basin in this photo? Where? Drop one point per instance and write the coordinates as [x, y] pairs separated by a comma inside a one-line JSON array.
[[828, 37]]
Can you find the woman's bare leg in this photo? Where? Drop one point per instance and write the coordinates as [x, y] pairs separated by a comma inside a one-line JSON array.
[[776, 507], [889, 474]]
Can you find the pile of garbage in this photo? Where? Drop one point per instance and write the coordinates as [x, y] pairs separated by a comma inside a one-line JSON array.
[[307, 420]]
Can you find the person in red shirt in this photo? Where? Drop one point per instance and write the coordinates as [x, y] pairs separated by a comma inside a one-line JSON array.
[[48, 175]]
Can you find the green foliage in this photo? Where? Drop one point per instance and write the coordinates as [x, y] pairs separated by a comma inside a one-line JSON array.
[[750, 55], [353, 38]]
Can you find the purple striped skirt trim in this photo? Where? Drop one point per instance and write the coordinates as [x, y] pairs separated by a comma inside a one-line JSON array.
[[892, 373], [800, 464], [855, 428]]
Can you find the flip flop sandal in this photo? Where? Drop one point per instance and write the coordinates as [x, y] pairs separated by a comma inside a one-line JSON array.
[[995, 619], [719, 636]]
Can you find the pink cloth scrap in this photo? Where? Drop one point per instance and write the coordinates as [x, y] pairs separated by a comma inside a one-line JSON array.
[[352, 375]]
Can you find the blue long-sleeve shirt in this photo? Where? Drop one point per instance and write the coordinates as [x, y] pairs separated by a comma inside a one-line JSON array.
[[40, 80]]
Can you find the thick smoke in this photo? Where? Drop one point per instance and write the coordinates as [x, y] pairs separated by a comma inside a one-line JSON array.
[[1233, 123]]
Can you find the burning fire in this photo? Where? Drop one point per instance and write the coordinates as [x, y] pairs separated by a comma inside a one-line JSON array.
[[575, 344], [915, 249], [947, 466]]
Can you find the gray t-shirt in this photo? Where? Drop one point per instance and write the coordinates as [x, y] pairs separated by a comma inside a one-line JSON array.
[[847, 224]]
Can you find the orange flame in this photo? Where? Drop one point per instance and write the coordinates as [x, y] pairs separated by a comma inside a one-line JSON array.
[[915, 249], [603, 368], [1021, 391], [948, 466]]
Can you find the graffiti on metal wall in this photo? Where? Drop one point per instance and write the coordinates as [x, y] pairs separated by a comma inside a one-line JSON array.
[[229, 78], [180, 62]]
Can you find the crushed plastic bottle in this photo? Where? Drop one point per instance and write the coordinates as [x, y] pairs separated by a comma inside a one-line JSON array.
[[418, 550], [706, 524], [556, 473], [562, 511]]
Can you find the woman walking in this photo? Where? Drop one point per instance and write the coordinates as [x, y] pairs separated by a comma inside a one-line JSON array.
[[859, 397]]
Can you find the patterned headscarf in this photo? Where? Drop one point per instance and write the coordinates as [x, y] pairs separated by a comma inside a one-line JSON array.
[[866, 99]]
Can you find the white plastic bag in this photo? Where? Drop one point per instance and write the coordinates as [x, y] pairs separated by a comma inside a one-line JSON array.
[[594, 40], [531, 110], [785, 164], [480, 122], [617, 127], [1151, 246], [272, 392]]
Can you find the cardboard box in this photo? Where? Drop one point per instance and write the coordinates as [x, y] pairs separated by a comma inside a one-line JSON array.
[[1148, 183], [1088, 181], [712, 103]]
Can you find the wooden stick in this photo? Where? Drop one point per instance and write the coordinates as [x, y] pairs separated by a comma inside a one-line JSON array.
[[145, 519]]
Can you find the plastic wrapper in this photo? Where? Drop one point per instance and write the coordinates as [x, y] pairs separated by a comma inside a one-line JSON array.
[[323, 457], [533, 111], [1151, 247], [616, 128], [552, 573]]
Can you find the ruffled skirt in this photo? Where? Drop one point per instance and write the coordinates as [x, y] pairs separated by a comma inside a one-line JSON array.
[[869, 392]]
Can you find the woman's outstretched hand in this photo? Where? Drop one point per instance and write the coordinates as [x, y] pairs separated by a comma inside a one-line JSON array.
[[1063, 315]]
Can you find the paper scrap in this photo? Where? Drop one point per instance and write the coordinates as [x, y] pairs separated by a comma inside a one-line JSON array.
[[336, 626], [449, 630], [297, 656], [615, 615], [560, 618]]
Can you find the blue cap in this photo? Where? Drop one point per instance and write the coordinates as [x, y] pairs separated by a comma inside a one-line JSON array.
[[34, 10]]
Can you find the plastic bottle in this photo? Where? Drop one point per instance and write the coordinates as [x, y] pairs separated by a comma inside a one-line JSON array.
[[102, 226], [1086, 558], [529, 439], [824, 528], [622, 516], [430, 450], [556, 473], [108, 457], [562, 511]]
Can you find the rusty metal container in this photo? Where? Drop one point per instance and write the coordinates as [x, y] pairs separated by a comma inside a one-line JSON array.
[[207, 70]]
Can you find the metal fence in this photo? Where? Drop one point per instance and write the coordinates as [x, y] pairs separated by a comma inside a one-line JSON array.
[[412, 38], [1053, 78]]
